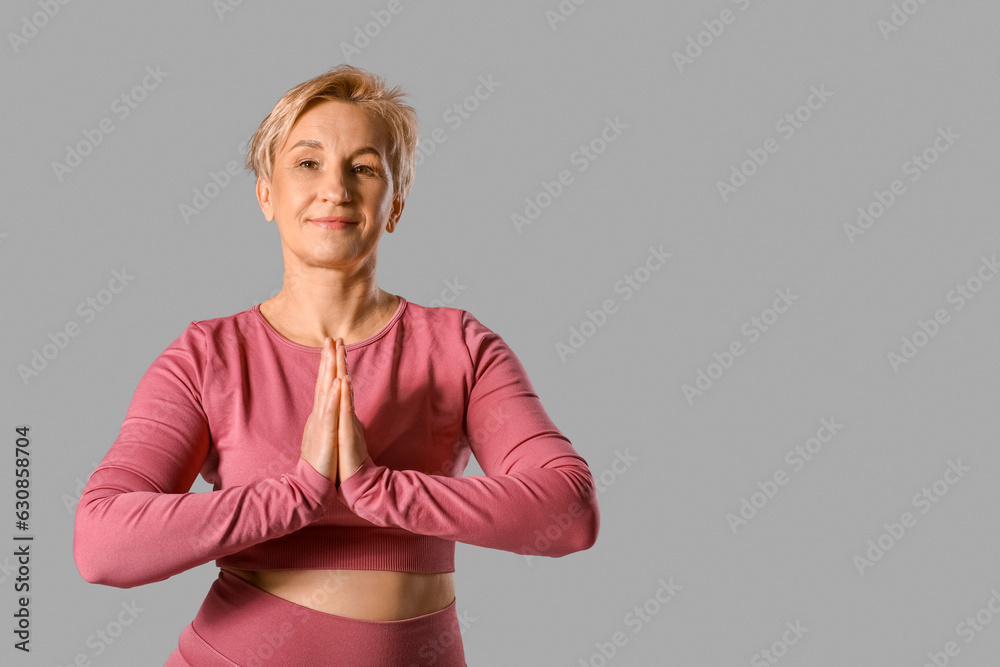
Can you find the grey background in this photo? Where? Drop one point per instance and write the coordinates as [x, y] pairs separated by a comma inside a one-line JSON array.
[[664, 516]]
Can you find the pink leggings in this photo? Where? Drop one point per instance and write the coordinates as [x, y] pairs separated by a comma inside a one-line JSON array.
[[240, 625]]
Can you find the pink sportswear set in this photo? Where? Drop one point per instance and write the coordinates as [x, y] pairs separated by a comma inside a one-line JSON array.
[[229, 399]]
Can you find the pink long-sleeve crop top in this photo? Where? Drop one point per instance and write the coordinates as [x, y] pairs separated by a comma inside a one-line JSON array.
[[229, 399]]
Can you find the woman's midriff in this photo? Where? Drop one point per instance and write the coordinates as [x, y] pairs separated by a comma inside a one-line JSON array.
[[373, 595]]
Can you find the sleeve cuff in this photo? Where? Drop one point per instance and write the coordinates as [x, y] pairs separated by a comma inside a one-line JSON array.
[[316, 485], [359, 482]]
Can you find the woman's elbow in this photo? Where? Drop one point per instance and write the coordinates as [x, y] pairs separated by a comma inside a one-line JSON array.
[[97, 570], [589, 522], [587, 525], [94, 560], [575, 528], [90, 566]]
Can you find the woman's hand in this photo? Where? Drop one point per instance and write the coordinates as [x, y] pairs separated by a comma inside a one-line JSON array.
[[352, 450], [319, 437], [333, 441]]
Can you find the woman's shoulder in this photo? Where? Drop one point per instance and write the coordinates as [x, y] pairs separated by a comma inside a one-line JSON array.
[[237, 320], [459, 327], [446, 318], [201, 332]]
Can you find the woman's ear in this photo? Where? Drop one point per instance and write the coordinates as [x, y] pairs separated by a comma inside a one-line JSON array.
[[397, 211], [264, 199]]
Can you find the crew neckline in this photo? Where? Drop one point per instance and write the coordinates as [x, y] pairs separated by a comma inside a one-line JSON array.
[[350, 346]]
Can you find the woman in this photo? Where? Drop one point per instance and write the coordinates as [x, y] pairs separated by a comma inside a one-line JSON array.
[[334, 422]]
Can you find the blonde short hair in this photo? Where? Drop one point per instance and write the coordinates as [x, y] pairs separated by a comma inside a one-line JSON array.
[[348, 84]]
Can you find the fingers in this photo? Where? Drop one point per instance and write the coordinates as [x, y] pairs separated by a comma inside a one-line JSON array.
[[342, 372], [346, 386], [323, 363], [328, 371], [330, 381], [346, 416], [346, 403], [341, 359], [332, 407], [320, 435], [339, 407]]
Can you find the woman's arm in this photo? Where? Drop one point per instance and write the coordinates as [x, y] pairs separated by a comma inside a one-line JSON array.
[[537, 496], [138, 523]]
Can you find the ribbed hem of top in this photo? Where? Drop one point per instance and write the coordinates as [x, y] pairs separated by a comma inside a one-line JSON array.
[[347, 548]]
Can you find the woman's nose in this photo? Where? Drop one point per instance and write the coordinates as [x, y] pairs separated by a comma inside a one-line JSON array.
[[335, 187]]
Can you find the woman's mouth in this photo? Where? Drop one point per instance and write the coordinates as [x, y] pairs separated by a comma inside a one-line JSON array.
[[333, 223]]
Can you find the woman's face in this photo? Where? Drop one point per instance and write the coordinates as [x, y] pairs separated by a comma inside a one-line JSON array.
[[333, 165]]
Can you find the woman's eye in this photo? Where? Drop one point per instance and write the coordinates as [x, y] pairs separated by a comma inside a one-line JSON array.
[[307, 163], [364, 168]]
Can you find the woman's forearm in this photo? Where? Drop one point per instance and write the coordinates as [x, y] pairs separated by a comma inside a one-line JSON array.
[[127, 533]]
